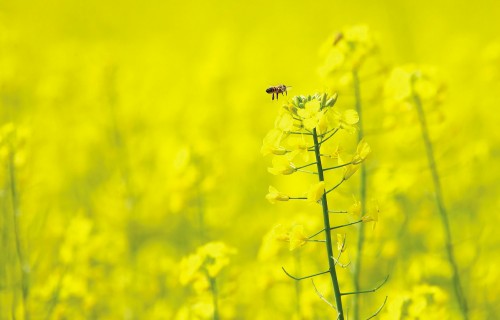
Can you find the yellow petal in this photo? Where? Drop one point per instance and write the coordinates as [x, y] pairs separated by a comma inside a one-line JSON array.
[[316, 192]]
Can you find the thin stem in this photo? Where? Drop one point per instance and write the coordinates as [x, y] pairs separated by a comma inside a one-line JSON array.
[[336, 167], [306, 171], [460, 296], [213, 289], [336, 227], [306, 277], [297, 284], [334, 187], [321, 296], [328, 236], [305, 166], [331, 135], [23, 264], [314, 240], [337, 211], [366, 291], [362, 196], [297, 198], [378, 310]]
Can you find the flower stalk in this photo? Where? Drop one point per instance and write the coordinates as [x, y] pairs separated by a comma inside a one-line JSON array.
[[213, 290], [362, 198], [328, 237], [23, 263], [443, 214]]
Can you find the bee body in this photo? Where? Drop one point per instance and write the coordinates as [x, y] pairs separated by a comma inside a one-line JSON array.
[[277, 90]]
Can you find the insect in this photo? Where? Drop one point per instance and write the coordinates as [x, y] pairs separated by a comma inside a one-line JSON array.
[[281, 88]]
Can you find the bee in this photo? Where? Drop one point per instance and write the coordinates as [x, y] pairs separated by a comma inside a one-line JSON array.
[[281, 88]]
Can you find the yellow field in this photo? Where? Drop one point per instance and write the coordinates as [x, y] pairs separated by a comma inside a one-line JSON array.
[[133, 183]]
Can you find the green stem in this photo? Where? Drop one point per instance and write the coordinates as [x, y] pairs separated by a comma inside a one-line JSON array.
[[362, 196], [213, 288], [460, 296], [23, 264], [328, 237], [297, 285]]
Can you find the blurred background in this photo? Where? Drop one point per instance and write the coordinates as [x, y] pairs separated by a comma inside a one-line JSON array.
[[131, 135]]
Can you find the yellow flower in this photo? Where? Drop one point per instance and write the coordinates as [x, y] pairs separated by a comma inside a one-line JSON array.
[[316, 192], [281, 166], [398, 84], [362, 151], [274, 195], [298, 147], [297, 237], [271, 143], [345, 120], [355, 209], [347, 50], [311, 114], [190, 266], [372, 213], [350, 170], [209, 259], [350, 117], [216, 256], [280, 234], [284, 122]]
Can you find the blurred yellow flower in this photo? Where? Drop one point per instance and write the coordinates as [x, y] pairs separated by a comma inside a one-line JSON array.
[[208, 260], [297, 237], [274, 195], [355, 209], [372, 212]]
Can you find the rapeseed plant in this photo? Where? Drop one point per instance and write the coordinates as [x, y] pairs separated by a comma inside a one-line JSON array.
[[314, 117]]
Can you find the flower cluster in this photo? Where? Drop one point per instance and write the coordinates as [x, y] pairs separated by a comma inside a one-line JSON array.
[[288, 140], [207, 262]]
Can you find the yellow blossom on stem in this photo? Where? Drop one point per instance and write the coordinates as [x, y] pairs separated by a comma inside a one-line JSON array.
[[279, 233], [372, 213], [362, 151], [350, 170], [282, 166], [208, 260], [311, 114], [355, 209], [285, 122], [297, 237], [298, 147], [316, 191], [274, 195], [271, 143], [345, 120]]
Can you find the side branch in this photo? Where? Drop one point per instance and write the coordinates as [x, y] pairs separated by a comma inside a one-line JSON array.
[[336, 167], [336, 227], [378, 310], [366, 291], [306, 277]]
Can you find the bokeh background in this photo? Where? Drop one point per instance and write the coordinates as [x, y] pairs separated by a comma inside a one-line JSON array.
[[131, 136]]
